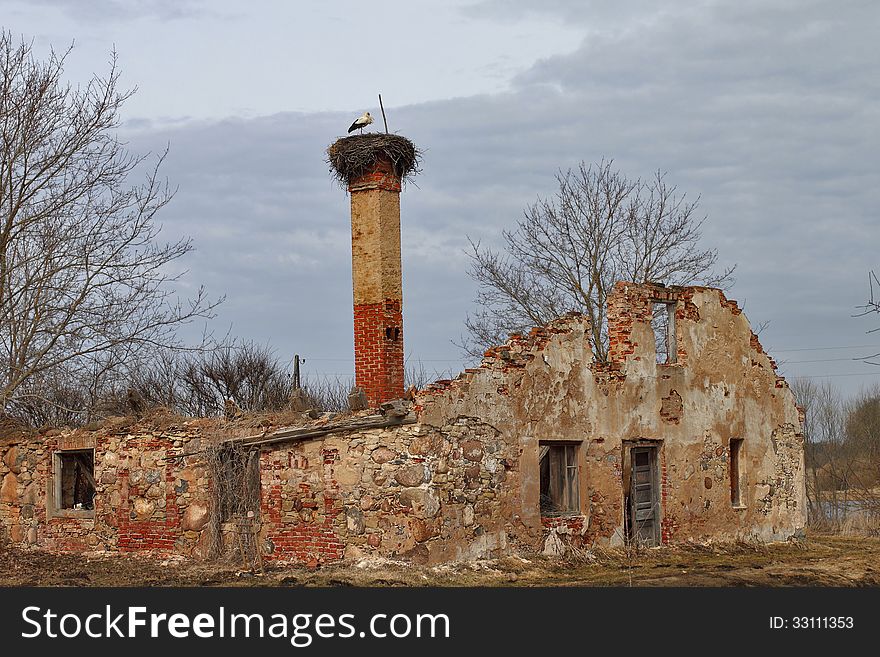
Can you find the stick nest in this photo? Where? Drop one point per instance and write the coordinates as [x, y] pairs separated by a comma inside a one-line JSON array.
[[351, 157]]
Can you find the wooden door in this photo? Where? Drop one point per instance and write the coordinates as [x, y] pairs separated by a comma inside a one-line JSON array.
[[644, 496]]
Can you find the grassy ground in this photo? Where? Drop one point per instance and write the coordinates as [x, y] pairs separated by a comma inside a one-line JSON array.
[[819, 560]]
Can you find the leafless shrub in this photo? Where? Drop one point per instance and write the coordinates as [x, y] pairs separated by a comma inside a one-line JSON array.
[[50, 400], [328, 394], [416, 375], [249, 374], [245, 374]]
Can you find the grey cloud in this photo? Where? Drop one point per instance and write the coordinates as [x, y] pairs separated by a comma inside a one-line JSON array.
[[117, 10], [767, 111], [768, 114], [599, 13]]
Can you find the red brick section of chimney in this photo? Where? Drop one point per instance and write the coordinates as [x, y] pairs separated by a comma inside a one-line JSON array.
[[377, 287]]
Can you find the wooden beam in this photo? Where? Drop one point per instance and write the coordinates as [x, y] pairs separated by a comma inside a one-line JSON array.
[[295, 435], [304, 433], [85, 470]]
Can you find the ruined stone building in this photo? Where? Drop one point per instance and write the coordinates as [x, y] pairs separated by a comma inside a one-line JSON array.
[[689, 435]]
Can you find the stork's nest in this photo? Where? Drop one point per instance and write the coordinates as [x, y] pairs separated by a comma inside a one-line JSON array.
[[351, 157]]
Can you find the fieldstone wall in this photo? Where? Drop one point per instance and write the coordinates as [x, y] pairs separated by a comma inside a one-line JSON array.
[[425, 493], [19, 500], [144, 500]]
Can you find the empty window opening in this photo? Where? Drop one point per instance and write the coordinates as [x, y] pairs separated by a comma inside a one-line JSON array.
[[392, 333], [735, 474], [238, 482], [75, 480], [663, 325], [559, 479]]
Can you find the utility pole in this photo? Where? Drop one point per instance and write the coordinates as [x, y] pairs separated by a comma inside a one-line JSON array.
[[298, 401], [296, 381]]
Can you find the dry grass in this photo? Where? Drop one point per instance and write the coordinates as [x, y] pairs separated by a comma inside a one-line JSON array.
[[819, 560]]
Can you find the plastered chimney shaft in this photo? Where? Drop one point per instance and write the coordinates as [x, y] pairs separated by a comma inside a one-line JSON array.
[[376, 279]]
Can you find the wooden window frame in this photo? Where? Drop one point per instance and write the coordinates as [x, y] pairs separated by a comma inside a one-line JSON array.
[[54, 506], [564, 471], [671, 342]]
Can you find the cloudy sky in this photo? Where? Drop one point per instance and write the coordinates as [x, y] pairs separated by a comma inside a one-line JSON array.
[[768, 110]]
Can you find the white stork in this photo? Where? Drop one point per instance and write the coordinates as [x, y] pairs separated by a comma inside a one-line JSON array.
[[361, 122]]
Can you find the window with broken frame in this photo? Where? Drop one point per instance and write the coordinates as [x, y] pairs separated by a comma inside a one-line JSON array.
[[560, 494], [74, 481], [663, 326]]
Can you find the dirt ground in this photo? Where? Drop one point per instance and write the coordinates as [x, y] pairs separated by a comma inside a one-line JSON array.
[[818, 560]]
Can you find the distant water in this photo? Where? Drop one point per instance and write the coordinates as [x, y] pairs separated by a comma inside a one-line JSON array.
[[843, 508]]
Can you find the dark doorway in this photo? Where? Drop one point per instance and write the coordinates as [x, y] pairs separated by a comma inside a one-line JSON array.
[[642, 496], [237, 472]]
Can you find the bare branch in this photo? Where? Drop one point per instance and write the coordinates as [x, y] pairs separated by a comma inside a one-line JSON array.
[[85, 283], [567, 252]]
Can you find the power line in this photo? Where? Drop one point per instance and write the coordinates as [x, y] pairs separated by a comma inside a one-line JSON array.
[[823, 360], [826, 376], [852, 346], [458, 361], [770, 350]]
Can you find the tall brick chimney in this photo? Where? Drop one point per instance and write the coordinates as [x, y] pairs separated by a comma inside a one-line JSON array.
[[376, 279], [373, 166]]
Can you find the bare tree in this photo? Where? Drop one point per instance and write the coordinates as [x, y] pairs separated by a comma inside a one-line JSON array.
[[84, 280], [842, 449], [863, 445], [871, 306], [567, 252], [823, 427]]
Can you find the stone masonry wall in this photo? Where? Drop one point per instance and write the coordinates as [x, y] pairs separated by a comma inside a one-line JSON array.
[[144, 501], [425, 493]]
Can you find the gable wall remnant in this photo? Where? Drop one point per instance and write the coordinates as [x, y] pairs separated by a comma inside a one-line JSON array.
[[544, 387]]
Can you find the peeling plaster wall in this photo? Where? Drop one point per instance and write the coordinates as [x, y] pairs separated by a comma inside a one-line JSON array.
[[543, 386]]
